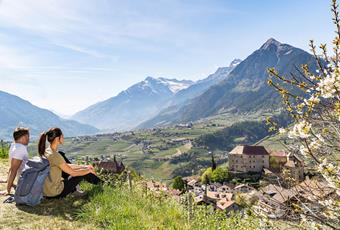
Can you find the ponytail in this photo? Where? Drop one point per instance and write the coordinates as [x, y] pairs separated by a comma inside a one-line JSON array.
[[49, 136], [42, 144]]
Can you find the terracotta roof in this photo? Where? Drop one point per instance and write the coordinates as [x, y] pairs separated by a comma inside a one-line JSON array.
[[272, 189], [314, 190], [278, 154], [227, 195], [290, 164], [243, 185], [225, 187], [249, 150], [284, 195], [192, 182], [198, 199], [190, 178], [224, 204], [213, 195]]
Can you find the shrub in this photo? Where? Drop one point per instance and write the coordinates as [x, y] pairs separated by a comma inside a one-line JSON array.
[[206, 176], [3, 150], [178, 183], [220, 174]]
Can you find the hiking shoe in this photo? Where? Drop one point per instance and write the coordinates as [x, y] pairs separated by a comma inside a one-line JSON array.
[[79, 193]]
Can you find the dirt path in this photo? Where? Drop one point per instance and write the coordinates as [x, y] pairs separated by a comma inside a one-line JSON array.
[[51, 214]]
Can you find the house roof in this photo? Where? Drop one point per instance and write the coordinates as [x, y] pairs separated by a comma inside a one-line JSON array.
[[227, 195], [198, 199], [190, 178], [224, 204], [284, 195], [290, 164], [272, 189], [213, 195], [192, 182], [295, 158], [243, 185], [313, 190], [226, 187], [249, 150], [278, 154]]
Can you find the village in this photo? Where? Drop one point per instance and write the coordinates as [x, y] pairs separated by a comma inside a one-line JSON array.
[[282, 181]]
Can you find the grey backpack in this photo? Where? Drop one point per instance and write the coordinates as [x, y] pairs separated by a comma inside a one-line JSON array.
[[29, 190]]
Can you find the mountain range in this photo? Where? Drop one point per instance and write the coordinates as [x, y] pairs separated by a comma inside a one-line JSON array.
[[133, 106], [15, 111], [244, 89], [238, 88]]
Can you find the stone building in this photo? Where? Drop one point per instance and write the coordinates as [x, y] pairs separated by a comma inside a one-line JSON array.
[[277, 159], [245, 158], [295, 168]]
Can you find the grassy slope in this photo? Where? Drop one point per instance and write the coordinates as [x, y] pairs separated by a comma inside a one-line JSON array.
[[110, 208], [123, 209], [113, 208]]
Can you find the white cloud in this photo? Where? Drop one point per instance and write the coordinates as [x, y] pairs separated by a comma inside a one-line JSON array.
[[11, 58]]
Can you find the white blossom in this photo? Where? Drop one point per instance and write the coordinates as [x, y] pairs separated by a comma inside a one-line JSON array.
[[313, 100], [315, 144], [282, 130], [303, 150], [301, 129], [328, 85]]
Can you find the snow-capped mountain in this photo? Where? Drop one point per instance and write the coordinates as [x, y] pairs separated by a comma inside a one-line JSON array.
[[234, 63], [199, 87], [133, 105], [243, 90], [175, 85]]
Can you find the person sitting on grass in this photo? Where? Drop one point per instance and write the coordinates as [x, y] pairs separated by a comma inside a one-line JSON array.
[[59, 184], [18, 156]]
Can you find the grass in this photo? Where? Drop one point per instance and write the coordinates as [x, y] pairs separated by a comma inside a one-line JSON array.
[[119, 208], [109, 207], [51, 214]]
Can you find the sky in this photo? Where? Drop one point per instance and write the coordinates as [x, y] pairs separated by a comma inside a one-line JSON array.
[[65, 55]]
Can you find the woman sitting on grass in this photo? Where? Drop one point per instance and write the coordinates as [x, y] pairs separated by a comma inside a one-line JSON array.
[[59, 184]]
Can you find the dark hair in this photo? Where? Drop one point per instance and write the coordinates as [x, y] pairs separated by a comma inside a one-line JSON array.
[[20, 132], [50, 135]]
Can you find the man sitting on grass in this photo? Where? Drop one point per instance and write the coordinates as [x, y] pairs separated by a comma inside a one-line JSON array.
[[18, 156]]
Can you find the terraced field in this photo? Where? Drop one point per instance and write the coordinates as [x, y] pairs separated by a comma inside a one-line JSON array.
[[158, 153]]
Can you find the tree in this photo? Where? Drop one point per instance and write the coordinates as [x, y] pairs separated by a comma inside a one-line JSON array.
[[178, 183], [220, 174], [213, 163], [312, 100], [206, 176]]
